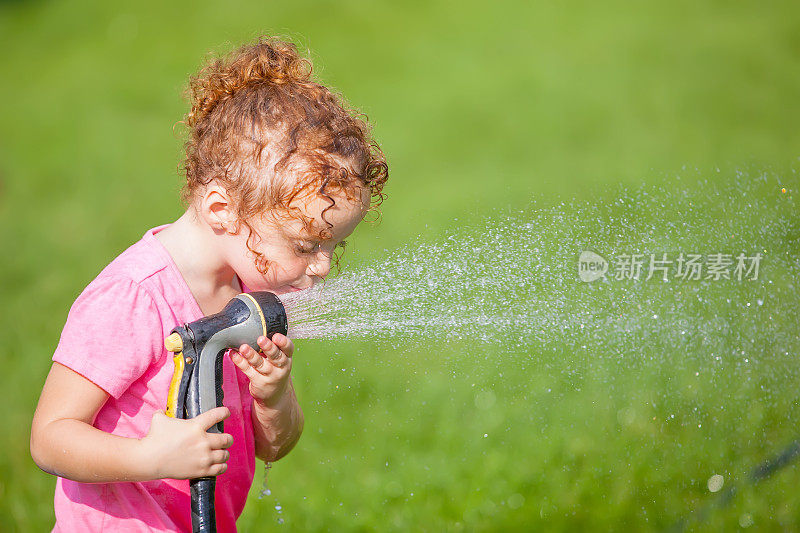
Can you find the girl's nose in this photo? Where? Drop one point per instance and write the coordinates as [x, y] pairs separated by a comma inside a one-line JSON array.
[[321, 265]]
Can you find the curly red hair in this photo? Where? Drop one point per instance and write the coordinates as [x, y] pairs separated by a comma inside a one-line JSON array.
[[264, 130]]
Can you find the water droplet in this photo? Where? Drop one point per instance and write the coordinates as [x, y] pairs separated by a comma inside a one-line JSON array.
[[515, 501], [715, 483]]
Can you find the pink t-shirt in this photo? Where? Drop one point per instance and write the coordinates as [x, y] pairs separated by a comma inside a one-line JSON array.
[[114, 336]]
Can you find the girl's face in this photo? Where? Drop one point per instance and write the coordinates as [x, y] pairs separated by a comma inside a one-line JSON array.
[[298, 258]]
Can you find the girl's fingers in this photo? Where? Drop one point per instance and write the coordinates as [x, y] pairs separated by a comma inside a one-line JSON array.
[[217, 469], [261, 365], [268, 348], [278, 356], [253, 358], [244, 365], [284, 343], [248, 352], [220, 441], [255, 365], [243, 351], [219, 456], [270, 355], [212, 416]]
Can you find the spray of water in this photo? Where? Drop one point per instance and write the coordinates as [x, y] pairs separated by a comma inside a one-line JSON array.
[[516, 279], [691, 365]]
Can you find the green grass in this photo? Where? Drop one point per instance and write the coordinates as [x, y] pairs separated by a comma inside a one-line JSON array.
[[481, 108]]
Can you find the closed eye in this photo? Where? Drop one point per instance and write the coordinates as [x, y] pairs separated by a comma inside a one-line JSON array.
[[307, 247]]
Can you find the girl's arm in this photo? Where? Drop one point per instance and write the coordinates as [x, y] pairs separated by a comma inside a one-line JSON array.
[[64, 442], [277, 417], [277, 427]]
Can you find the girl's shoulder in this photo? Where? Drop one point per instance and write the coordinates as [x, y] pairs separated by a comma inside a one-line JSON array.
[[128, 308], [140, 261], [143, 279], [148, 265]]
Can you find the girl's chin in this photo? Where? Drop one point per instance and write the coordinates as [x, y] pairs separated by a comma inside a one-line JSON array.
[[292, 288], [281, 289], [287, 289]]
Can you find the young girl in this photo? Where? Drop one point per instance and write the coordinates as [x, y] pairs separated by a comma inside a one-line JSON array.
[[278, 173]]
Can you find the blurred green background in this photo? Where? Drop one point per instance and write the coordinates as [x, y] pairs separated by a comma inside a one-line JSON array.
[[481, 108]]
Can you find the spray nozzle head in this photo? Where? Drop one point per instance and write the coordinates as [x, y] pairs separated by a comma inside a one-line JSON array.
[[272, 311]]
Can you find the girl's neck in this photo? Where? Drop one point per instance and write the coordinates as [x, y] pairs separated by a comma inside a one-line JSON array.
[[192, 244]]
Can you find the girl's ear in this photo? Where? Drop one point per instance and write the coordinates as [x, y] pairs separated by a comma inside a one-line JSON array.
[[216, 209]]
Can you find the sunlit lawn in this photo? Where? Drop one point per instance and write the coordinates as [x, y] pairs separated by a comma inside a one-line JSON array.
[[480, 108]]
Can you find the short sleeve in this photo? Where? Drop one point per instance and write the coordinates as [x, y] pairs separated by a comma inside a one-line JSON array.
[[112, 335]]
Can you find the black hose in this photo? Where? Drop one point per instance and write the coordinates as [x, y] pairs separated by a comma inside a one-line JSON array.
[[204, 519], [757, 474]]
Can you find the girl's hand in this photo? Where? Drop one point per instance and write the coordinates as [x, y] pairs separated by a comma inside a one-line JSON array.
[[268, 369], [182, 449]]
